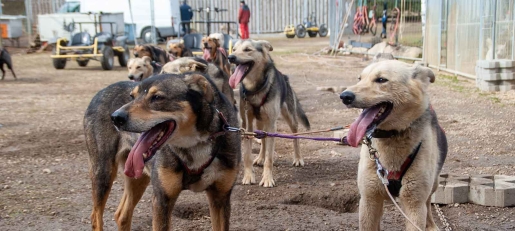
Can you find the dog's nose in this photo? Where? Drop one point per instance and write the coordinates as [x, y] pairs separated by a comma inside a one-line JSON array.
[[347, 97], [232, 58], [135, 54], [119, 118], [205, 44], [131, 77]]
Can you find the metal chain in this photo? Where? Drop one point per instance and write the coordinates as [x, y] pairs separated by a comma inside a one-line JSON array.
[[442, 217]]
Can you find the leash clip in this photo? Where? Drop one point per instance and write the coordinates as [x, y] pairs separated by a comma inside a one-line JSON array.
[[381, 172]]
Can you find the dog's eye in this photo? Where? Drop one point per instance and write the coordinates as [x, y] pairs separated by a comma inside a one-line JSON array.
[[138, 67], [247, 49], [381, 80], [156, 98], [359, 78]]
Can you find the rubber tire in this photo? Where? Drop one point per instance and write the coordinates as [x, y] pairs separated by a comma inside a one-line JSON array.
[[147, 30], [58, 63], [124, 57], [290, 36], [312, 34], [108, 58], [300, 31], [83, 63], [322, 31]]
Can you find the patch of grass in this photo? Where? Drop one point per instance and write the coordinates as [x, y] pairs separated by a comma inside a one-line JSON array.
[[455, 84]]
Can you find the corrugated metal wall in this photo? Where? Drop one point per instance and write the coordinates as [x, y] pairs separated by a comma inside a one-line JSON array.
[[460, 32], [267, 16]]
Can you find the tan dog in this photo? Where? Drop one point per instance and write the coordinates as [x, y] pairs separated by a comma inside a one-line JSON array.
[[215, 53], [190, 64], [157, 54], [401, 126], [265, 94], [140, 68], [178, 50]]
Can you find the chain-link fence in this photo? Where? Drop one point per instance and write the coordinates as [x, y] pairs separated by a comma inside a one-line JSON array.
[[460, 32]]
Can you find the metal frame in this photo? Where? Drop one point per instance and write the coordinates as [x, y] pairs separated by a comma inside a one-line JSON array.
[[58, 49]]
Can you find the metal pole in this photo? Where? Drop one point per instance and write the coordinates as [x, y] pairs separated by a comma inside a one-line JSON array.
[[1, 11], [305, 10], [440, 15], [481, 29], [513, 32], [258, 17], [456, 37], [28, 11], [424, 21], [153, 22], [494, 29]]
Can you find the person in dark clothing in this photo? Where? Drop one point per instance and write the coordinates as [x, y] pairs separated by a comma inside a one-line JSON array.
[[186, 16], [384, 19], [243, 19]]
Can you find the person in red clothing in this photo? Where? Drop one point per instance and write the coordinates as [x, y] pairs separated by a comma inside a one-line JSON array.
[[243, 19]]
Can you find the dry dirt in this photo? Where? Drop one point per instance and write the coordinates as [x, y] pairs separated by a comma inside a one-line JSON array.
[[44, 182]]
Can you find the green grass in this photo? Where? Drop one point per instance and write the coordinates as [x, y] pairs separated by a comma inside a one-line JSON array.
[[455, 84]]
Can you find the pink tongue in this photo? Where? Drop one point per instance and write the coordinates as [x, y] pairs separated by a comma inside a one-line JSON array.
[[360, 125], [236, 77], [206, 55], [134, 164]]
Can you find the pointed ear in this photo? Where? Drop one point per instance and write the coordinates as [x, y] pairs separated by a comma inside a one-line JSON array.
[[424, 74], [199, 83], [197, 66], [266, 45], [147, 59]]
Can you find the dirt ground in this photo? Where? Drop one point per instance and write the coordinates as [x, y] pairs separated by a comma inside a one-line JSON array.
[[44, 183]]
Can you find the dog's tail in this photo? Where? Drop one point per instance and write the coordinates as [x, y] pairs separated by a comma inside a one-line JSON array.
[[302, 115]]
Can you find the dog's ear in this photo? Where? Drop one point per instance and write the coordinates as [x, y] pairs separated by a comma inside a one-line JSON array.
[[266, 45], [147, 59], [197, 66], [424, 74], [200, 84], [152, 52], [216, 41]]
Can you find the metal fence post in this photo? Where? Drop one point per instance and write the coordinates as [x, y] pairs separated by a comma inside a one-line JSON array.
[[153, 22], [481, 29], [28, 12], [258, 17], [440, 34], [494, 24]]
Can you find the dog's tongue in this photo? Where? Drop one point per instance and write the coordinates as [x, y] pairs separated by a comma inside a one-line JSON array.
[[236, 77], [206, 55], [359, 127], [134, 164]]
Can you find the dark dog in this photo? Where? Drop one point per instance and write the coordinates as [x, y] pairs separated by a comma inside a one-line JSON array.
[[182, 146], [178, 50], [214, 53], [5, 58], [265, 94], [156, 53]]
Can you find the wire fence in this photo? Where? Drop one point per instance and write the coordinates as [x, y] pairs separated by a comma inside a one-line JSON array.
[[460, 32]]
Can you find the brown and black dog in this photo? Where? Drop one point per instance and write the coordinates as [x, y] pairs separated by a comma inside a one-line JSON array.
[[216, 54], [157, 54], [169, 133], [178, 50]]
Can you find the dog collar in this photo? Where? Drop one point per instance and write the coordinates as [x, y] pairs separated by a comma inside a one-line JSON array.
[[378, 133]]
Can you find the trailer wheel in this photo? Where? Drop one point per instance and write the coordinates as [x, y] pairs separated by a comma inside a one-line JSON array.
[[108, 58], [58, 62], [83, 63], [123, 58]]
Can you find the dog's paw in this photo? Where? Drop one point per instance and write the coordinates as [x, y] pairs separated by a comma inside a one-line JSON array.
[[298, 162], [259, 161], [267, 181], [248, 178]]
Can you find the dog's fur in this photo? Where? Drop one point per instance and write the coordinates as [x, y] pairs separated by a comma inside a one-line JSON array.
[[141, 68], [267, 95], [404, 86], [178, 50], [5, 58], [189, 64], [215, 53], [157, 54], [191, 101]]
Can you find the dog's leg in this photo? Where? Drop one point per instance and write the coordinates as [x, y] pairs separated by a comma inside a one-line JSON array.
[[12, 71], [294, 126], [248, 169], [132, 193], [430, 223], [370, 212], [3, 71], [261, 157], [102, 176], [220, 200], [167, 188], [268, 178], [416, 210]]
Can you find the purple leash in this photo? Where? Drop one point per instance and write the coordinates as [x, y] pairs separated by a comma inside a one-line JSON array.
[[262, 134]]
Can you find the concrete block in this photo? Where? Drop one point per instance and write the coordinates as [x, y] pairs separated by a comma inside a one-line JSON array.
[[499, 63], [496, 76], [451, 189], [495, 85], [480, 70], [491, 190]]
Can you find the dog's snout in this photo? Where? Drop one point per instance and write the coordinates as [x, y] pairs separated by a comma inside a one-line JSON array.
[[206, 45], [347, 97], [232, 58], [135, 54], [119, 117], [131, 77]]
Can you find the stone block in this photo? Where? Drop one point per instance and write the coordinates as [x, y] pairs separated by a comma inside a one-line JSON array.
[[495, 85], [499, 63], [491, 190], [451, 189]]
